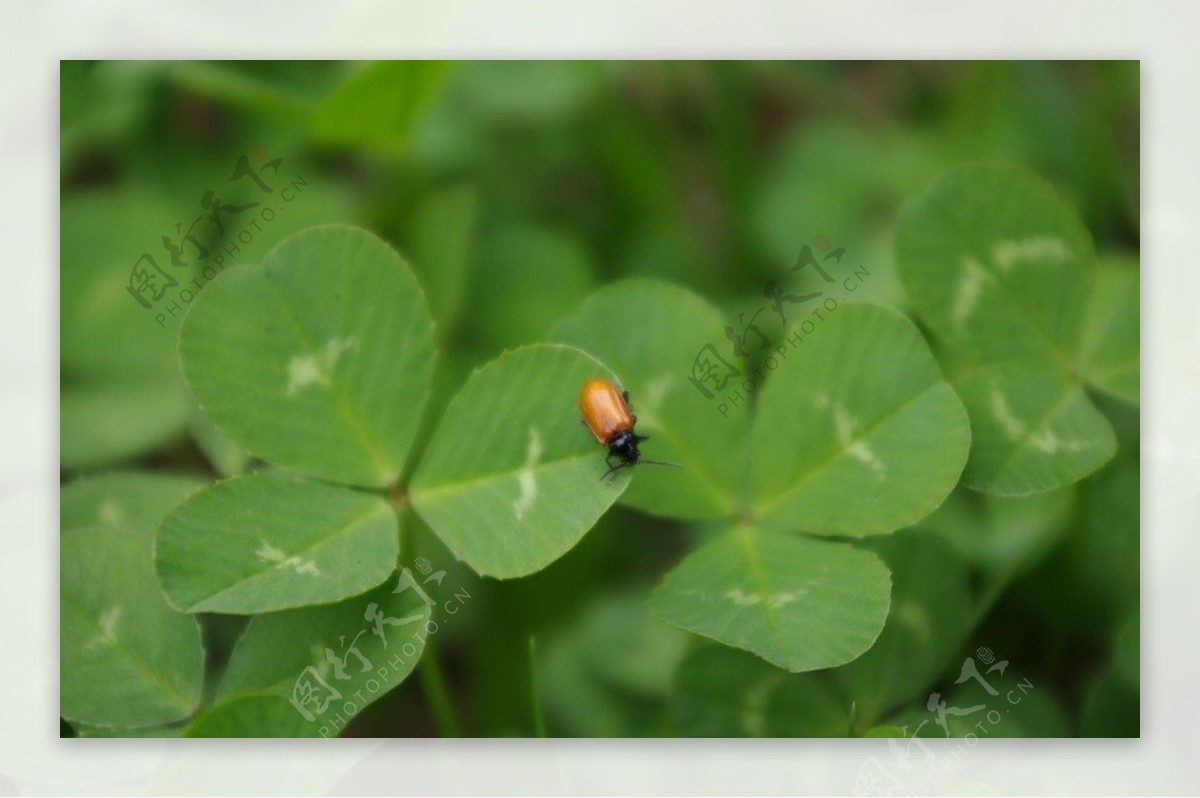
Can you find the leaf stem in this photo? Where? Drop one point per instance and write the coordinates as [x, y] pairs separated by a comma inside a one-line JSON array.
[[436, 696], [535, 700]]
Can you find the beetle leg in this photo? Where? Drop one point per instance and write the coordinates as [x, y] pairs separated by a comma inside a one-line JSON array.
[[612, 469]]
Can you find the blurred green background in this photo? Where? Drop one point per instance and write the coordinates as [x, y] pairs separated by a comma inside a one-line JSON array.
[[517, 188]]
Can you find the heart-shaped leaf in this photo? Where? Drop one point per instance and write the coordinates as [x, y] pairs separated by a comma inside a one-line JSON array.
[[127, 659], [267, 542], [1033, 431], [1000, 267], [652, 333], [857, 410], [318, 359], [799, 603], [510, 481], [857, 433], [997, 263], [307, 672]]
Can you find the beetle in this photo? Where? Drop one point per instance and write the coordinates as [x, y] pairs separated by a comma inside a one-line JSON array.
[[608, 415]]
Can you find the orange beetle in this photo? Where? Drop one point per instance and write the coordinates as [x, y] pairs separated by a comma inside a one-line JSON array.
[[608, 415]]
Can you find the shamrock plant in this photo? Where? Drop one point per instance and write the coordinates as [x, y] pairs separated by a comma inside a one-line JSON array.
[[1000, 268], [318, 363]]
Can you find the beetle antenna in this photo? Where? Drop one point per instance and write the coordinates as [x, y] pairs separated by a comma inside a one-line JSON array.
[[617, 467]]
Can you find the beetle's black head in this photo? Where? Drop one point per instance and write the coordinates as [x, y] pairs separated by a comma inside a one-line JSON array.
[[625, 446]]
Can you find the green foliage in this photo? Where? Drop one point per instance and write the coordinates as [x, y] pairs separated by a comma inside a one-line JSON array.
[[1003, 271], [105, 423], [1111, 709], [441, 242], [1002, 537], [861, 410], [928, 618], [890, 410], [127, 659], [250, 715], [1112, 706], [1110, 352], [528, 279], [720, 692], [272, 655], [227, 458], [121, 392], [800, 604], [1016, 707], [607, 674], [376, 104], [510, 482], [123, 499], [648, 332], [326, 382], [360, 456], [265, 542], [1127, 657]]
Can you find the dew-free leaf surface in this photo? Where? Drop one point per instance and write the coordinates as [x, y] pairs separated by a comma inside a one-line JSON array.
[[292, 673], [856, 432], [799, 603], [110, 422], [318, 359], [1002, 270], [130, 499], [931, 610], [1110, 356], [127, 659], [251, 714], [267, 542], [720, 692], [1033, 430], [650, 332], [511, 481]]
